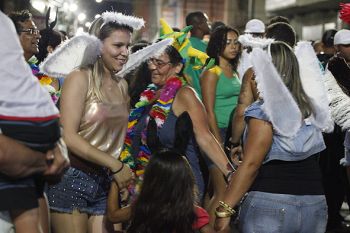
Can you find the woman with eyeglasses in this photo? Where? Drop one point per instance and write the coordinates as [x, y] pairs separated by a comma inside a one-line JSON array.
[[160, 105], [220, 87]]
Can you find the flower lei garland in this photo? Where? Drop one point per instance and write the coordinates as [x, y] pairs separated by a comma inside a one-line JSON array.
[[159, 112], [44, 80]]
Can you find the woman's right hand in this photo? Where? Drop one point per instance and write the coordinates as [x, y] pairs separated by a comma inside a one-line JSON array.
[[124, 177]]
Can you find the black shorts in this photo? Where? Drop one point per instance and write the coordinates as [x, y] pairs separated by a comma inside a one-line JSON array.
[[22, 197]]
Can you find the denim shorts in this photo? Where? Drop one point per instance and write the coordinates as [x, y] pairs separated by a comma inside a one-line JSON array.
[[86, 192], [272, 213]]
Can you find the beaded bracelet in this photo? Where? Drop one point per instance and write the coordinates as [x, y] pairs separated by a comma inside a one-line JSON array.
[[118, 169]]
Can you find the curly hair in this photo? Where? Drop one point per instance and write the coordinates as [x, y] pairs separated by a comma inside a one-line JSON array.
[[217, 44], [167, 198], [18, 17]]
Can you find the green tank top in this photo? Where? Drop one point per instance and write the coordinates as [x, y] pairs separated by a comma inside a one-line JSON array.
[[227, 92]]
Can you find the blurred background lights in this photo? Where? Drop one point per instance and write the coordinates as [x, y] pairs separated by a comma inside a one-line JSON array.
[[39, 5], [73, 7], [81, 17], [87, 24]]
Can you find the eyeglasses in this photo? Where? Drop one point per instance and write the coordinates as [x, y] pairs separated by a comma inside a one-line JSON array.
[[158, 63], [31, 31]]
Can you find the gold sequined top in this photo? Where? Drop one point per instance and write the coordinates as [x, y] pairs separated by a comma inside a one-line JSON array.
[[104, 125]]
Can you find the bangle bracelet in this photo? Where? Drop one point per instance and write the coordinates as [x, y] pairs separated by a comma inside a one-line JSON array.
[[222, 214], [228, 208], [118, 169]]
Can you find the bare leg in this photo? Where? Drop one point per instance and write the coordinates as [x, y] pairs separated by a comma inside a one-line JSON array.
[[73, 223], [219, 187], [26, 221], [100, 224], [44, 218]]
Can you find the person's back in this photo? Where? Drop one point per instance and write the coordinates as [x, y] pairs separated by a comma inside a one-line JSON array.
[[280, 168], [307, 141]]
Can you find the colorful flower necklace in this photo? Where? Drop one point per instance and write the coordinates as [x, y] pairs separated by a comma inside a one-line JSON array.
[[44, 80], [159, 112]]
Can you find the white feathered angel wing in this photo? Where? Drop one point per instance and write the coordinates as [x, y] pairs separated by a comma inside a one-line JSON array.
[[79, 51], [339, 101], [313, 85], [142, 55], [279, 105]]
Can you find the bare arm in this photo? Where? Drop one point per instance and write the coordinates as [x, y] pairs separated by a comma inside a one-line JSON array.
[[208, 86], [258, 143], [187, 100], [244, 100], [17, 160], [73, 99], [114, 213], [207, 229]]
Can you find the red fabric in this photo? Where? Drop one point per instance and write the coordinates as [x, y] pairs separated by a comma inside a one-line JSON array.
[[345, 12], [202, 218]]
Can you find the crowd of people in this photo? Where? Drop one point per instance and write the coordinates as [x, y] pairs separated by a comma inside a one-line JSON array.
[[241, 132]]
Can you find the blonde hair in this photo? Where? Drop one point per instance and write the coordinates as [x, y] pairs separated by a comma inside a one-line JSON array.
[[287, 66], [96, 70]]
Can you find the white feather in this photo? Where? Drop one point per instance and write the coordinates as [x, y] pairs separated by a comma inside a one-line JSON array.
[[131, 21], [279, 105], [142, 55], [79, 51], [339, 102], [247, 40], [313, 85]]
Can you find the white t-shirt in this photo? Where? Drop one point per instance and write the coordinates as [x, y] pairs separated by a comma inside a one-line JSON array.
[[21, 95]]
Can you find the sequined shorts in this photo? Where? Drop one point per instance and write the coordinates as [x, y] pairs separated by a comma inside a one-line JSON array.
[[86, 192]]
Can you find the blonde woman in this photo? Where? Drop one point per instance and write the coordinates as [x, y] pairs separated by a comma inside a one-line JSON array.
[[94, 115]]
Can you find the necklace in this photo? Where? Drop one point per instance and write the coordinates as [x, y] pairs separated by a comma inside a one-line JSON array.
[[44, 80], [159, 112]]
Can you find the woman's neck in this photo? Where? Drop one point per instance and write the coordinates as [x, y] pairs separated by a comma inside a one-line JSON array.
[[224, 63]]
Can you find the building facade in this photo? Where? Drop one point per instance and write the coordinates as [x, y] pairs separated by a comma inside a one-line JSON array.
[[310, 18]]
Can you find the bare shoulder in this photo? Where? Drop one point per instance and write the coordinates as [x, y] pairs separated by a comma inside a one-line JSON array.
[[209, 74], [77, 79], [186, 93], [186, 100]]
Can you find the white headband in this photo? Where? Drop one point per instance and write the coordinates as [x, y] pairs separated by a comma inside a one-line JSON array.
[[117, 17]]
